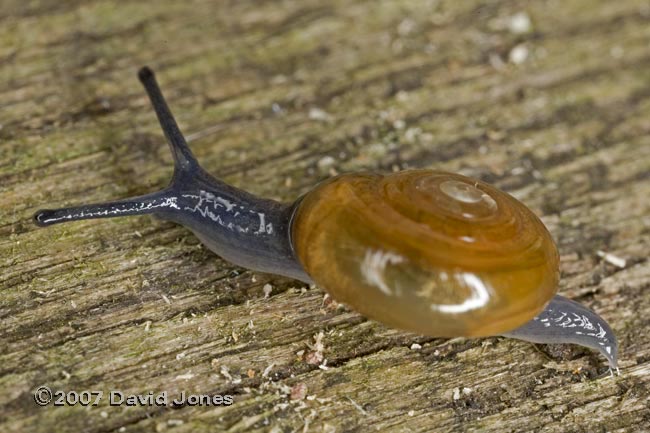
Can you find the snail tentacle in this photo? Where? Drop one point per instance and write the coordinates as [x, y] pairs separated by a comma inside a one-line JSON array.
[[185, 167], [184, 159], [146, 204]]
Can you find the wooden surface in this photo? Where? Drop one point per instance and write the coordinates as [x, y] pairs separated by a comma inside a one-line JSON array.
[[548, 100]]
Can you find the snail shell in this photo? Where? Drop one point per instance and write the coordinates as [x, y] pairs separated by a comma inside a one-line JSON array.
[[427, 251]]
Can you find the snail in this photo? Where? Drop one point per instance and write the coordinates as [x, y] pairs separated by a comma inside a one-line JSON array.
[[426, 251]]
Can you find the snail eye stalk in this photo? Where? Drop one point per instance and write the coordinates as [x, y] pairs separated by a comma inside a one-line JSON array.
[[184, 160], [184, 165]]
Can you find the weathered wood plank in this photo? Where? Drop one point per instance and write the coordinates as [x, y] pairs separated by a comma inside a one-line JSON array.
[[276, 96]]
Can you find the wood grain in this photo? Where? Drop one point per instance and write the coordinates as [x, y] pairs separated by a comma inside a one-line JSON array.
[[276, 96]]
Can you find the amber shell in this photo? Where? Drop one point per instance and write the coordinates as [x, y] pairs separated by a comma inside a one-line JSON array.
[[431, 252]]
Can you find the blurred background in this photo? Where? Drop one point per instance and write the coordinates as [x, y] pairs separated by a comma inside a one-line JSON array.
[[548, 100]]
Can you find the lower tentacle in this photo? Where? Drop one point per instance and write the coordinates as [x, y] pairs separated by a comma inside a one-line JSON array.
[[160, 201]]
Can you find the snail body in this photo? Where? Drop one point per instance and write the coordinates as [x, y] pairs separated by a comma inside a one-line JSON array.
[[426, 251]]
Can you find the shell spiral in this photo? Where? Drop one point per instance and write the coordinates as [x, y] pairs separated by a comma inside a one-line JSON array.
[[431, 252]]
